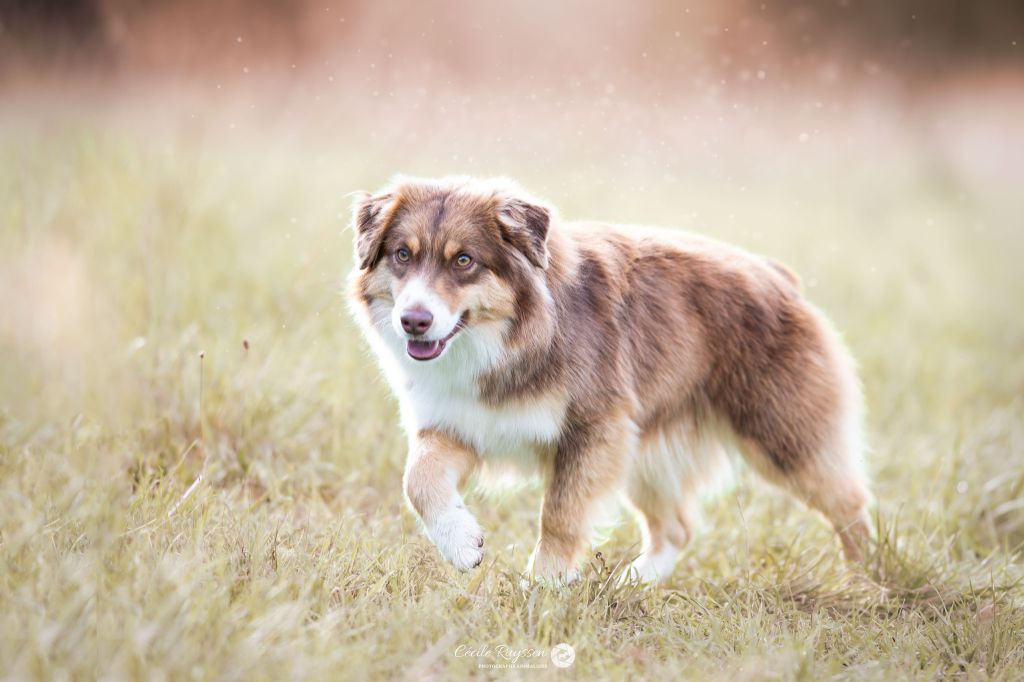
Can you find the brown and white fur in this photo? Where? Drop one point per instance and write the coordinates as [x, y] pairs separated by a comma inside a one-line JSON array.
[[609, 359]]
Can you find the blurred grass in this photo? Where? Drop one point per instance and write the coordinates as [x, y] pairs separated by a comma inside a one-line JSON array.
[[253, 528]]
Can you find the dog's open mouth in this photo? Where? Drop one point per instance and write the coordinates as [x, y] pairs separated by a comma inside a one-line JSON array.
[[428, 350]]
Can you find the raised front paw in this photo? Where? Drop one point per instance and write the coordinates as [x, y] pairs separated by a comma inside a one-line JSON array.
[[459, 538]]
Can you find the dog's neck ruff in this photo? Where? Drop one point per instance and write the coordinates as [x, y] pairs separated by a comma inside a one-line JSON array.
[[445, 393]]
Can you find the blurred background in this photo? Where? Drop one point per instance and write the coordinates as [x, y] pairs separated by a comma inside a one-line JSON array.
[[175, 175], [759, 112], [175, 183]]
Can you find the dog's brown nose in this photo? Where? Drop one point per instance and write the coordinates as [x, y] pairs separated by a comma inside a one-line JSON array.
[[416, 320]]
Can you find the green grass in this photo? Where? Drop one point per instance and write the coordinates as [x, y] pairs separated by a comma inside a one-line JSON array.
[[240, 515]]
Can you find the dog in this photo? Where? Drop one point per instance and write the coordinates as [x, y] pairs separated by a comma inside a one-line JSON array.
[[611, 360]]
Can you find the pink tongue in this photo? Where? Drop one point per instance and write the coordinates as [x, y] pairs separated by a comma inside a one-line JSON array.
[[424, 350]]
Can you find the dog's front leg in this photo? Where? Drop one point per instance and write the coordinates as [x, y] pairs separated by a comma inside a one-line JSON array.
[[587, 467], [437, 469]]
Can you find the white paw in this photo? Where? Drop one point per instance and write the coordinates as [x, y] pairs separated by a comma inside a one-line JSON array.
[[459, 538], [640, 571], [652, 567]]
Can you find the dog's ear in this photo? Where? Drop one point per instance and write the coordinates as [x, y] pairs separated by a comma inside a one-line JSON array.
[[371, 215], [524, 224]]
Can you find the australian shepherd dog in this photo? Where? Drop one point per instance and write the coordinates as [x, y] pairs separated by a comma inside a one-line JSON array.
[[610, 360]]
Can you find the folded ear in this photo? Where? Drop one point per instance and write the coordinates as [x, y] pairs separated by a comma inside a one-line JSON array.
[[524, 224], [371, 215]]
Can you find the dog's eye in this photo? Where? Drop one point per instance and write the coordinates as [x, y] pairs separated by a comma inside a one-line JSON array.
[[402, 254], [463, 260]]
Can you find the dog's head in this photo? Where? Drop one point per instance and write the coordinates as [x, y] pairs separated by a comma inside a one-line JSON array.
[[448, 255]]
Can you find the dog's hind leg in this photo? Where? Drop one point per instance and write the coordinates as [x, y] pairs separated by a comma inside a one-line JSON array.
[[792, 398], [828, 477], [672, 468], [829, 484], [666, 527]]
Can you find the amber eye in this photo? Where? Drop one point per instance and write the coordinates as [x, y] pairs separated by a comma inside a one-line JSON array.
[[402, 255], [463, 260]]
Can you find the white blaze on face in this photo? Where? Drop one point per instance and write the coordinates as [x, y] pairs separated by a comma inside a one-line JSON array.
[[418, 294]]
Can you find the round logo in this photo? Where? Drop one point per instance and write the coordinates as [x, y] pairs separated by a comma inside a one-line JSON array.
[[562, 655]]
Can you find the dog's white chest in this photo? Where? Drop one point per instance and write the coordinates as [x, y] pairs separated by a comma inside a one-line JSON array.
[[443, 395], [513, 429]]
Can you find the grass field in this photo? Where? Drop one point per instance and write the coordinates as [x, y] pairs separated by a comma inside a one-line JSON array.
[[200, 466]]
